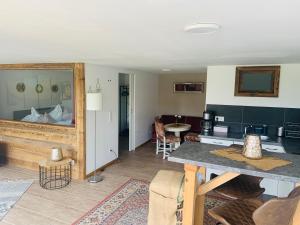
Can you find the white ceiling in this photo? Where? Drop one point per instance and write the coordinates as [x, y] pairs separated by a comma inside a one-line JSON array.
[[148, 34]]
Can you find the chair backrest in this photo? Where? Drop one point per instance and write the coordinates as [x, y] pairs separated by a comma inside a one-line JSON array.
[[281, 211], [159, 129]]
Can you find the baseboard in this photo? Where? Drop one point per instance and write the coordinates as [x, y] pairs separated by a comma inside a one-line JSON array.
[[102, 168], [141, 145]]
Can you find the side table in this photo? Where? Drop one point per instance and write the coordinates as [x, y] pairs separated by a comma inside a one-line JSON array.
[[55, 175]]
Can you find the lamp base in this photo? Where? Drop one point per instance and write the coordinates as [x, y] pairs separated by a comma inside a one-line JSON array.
[[95, 179]]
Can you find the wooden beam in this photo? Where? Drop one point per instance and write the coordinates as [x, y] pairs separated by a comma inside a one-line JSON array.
[[200, 200], [190, 186], [216, 182]]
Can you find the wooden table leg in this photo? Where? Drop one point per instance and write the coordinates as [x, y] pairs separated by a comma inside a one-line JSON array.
[[200, 200], [190, 187]]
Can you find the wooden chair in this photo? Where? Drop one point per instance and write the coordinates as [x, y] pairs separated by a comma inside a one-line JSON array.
[[241, 187], [164, 142], [278, 211]]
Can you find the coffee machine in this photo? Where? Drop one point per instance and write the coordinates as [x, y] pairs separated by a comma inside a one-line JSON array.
[[207, 123]]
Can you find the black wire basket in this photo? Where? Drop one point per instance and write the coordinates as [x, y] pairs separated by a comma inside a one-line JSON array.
[[55, 175]]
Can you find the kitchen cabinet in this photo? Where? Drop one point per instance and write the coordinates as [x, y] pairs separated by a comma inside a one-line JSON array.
[[216, 141]]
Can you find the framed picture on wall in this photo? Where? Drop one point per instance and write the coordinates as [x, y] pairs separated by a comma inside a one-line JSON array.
[[188, 87], [257, 81]]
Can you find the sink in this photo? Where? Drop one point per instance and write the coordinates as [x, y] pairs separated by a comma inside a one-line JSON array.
[[264, 138]]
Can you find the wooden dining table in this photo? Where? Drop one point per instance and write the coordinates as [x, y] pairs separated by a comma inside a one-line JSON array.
[[197, 157]]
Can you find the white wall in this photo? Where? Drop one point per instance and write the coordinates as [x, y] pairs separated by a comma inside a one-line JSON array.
[[107, 119], [144, 110], [189, 104], [221, 80], [145, 105]]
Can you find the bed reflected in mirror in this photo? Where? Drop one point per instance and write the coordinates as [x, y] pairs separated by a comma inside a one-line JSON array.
[[37, 96]]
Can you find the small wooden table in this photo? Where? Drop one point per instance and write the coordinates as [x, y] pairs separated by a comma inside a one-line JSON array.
[[177, 128], [196, 157]]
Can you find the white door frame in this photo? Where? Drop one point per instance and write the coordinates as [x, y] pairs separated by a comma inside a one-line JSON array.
[[131, 112]]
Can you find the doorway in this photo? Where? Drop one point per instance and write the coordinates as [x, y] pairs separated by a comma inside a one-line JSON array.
[[124, 112]]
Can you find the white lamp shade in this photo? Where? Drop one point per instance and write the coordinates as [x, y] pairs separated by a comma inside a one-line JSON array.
[[94, 101]]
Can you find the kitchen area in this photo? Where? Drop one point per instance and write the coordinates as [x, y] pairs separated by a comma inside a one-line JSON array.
[[261, 100], [278, 128]]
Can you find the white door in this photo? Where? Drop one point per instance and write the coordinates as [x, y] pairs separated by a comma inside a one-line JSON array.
[[131, 112]]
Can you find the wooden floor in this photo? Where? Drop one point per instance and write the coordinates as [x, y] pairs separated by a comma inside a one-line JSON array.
[[43, 207]]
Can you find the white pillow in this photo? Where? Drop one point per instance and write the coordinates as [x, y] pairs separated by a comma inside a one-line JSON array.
[[56, 113], [35, 114], [46, 118], [33, 117]]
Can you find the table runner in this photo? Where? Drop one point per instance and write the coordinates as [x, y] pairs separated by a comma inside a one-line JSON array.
[[265, 163]]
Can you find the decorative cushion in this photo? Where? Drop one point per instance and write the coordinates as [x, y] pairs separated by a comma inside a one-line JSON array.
[[170, 138], [33, 117], [67, 115], [46, 118], [192, 137], [159, 128], [57, 113]]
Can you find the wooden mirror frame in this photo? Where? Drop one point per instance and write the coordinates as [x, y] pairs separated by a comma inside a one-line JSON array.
[[71, 136], [45, 66], [275, 70]]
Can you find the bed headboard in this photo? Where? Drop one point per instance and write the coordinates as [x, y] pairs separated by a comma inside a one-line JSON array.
[[19, 115]]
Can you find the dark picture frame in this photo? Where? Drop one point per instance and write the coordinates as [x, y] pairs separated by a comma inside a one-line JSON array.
[[189, 87], [257, 81]]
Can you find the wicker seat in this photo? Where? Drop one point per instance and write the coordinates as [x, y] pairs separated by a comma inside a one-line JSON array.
[[281, 211], [192, 137], [241, 187]]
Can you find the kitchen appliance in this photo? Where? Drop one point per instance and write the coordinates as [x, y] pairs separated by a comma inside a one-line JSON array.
[[265, 130], [221, 129], [280, 131], [207, 115], [252, 147], [207, 122], [292, 130]]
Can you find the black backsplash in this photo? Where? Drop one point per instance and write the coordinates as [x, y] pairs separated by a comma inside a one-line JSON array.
[[237, 117]]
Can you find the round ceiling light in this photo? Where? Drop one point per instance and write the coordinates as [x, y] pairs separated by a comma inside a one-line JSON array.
[[202, 28], [166, 70]]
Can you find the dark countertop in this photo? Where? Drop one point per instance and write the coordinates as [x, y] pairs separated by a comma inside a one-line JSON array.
[[199, 154], [290, 145]]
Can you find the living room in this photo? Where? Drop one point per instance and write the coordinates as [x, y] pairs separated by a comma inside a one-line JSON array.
[[210, 107]]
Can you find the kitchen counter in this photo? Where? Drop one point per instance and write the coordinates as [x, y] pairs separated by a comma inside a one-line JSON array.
[[290, 145], [199, 154]]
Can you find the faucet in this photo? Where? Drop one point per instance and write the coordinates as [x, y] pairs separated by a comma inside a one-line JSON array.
[[247, 128]]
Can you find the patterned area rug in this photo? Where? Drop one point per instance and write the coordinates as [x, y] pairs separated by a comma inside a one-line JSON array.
[[10, 192], [129, 206]]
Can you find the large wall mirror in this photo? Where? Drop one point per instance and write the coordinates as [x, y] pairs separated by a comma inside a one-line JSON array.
[[37, 95]]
